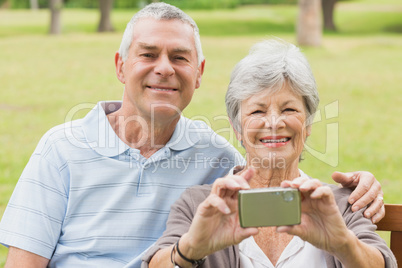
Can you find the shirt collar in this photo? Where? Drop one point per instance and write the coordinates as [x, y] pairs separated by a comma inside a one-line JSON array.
[[99, 133], [102, 138], [185, 135]]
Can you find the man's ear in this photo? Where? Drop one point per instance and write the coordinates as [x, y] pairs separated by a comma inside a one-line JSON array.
[[119, 64], [199, 74]]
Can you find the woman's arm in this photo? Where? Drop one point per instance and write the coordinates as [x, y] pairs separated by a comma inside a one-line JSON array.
[[215, 225], [355, 253], [323, 226]]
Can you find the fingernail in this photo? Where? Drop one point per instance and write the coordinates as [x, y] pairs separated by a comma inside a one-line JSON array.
[[356, 208], [368, 215], [352, 201], [235, 184], [227, 211]]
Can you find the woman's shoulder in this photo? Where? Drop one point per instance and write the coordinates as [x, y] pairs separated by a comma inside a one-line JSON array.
[[341, 196], [191, 198], [197, 192]]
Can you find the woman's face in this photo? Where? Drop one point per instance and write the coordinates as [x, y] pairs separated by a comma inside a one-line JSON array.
[[273, 128]]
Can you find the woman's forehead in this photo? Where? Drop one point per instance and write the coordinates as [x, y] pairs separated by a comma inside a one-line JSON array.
[[283, 96]]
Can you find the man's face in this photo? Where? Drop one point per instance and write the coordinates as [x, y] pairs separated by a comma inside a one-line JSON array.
[[161, 72]]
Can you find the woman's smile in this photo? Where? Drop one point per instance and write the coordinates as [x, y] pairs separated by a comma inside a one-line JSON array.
[[275, 141]]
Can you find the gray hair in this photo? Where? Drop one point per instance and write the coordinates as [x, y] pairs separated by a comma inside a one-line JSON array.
[[159, 11], [269, 65]]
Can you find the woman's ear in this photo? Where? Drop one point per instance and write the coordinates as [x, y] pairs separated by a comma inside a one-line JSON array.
[[238, 135], [308, 131]]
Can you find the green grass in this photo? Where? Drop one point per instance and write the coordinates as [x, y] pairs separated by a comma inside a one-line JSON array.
[[43, 77]]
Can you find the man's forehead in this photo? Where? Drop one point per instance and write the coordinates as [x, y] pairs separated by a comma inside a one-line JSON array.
[[152, 34]]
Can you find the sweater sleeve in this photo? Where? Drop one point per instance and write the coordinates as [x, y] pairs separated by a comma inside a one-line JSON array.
[[362, 227], [181, 215]]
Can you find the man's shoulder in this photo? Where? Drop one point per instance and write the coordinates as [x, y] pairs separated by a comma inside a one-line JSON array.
[[208, 137], [66, 134]]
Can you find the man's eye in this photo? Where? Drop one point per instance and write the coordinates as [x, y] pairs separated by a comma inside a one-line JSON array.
[[180, 58], [147, 55]]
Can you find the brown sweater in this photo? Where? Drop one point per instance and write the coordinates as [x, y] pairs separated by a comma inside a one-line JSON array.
[[183, 211]]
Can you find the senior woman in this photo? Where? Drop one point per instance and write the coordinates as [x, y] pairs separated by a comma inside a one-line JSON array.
[[271, 100]]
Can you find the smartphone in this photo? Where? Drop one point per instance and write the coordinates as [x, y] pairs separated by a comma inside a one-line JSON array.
[[274, 206]]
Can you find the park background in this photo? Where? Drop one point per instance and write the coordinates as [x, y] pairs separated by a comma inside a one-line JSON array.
[[46, 80]]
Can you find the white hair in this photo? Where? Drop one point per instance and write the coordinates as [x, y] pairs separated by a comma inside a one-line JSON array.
[[159, 11], [269, 65]]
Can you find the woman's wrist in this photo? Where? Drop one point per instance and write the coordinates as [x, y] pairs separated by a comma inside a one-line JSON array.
[[357, 254], [186, 255], [347, 250]]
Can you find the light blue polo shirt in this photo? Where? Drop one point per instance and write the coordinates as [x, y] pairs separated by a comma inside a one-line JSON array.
[[86, 199]]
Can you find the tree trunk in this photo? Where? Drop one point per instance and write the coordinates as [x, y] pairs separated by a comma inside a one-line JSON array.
[[55, 14], [309, 25], [328, 7], [105, 8], [34, 4]]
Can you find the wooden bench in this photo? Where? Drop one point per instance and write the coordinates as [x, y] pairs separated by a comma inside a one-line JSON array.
[[393, 222]]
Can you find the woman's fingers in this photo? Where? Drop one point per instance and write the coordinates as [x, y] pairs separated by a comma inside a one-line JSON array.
[[215, 201], [229, 185]]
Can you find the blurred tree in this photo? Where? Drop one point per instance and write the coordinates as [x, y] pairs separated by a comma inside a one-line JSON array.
[[105, 24], [309, 24], [34, 4], [55, 14], [328, 7]]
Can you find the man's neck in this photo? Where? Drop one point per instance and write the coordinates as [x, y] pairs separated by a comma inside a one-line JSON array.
[[140, 133]]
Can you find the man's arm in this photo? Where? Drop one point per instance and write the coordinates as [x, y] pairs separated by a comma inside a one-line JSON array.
[[18, 258], [367, 192]]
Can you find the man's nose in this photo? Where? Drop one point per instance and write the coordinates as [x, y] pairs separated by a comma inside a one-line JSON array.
[[164, 67]]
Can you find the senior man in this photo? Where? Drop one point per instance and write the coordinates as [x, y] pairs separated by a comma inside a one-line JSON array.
[[97, 191]]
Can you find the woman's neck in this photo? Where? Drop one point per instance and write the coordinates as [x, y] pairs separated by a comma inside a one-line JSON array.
[[265, 177]]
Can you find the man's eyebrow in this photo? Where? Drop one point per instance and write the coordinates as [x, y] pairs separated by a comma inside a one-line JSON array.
[[153, 47], [146, 45], [182, 50]]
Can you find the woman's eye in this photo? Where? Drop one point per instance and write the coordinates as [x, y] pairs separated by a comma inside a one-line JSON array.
[[256, 112], [289, 110]]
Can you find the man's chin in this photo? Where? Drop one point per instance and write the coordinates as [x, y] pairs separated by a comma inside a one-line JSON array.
[[165, 114]]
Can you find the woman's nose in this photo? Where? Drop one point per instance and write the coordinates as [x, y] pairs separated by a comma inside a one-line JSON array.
[[164, 67], [274, 121]]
